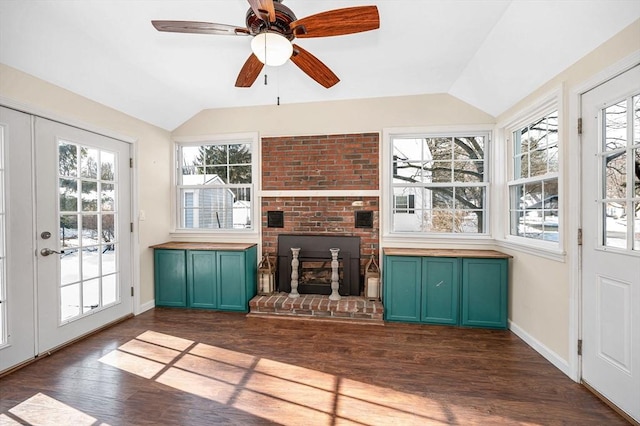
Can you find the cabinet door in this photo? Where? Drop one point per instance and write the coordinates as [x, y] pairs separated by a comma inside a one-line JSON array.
[[484, 292], [402, 281], [201, 279], [440, 290], [232, 295], [170, 277]]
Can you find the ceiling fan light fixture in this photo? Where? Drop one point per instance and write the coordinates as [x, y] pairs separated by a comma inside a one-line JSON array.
[[271, 48]]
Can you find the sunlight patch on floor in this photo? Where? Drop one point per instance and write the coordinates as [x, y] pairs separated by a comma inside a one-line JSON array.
[[276, 391], [132, 364], [43, 410]]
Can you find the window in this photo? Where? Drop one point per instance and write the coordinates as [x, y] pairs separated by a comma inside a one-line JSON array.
[[533, 187], [215, 182], [439, 183]]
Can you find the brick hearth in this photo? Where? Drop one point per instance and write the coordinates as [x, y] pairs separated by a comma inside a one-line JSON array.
[[317, 306]]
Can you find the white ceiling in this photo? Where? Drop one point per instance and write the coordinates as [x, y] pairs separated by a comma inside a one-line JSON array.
[[488, 53]]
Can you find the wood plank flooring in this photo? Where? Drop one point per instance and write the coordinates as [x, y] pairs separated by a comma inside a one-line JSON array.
[[188, 367]]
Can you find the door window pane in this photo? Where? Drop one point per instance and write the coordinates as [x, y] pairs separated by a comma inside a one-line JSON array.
[[88, 236]]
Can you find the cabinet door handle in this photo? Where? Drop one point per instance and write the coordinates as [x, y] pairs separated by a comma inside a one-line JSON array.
[[440, 283]]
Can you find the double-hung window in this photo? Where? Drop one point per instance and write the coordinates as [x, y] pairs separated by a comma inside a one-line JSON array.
[[215, 184], [439, 183], [533, 186]]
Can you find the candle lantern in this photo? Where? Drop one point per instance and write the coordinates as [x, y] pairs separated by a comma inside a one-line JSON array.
[[266, 276], [372, 279]]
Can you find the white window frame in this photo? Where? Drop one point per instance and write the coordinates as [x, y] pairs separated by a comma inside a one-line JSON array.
[[505, 150], [251, 139], [386, 176]]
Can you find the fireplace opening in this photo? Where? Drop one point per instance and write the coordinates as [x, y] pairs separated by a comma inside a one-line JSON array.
[[314, 266]]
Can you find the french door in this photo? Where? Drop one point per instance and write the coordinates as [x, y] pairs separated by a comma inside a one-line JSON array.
[[65, 236], [611, 240], [83, 235], [17, 262]]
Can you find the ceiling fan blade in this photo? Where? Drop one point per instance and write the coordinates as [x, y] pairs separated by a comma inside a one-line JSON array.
[[249, 72], [337, 22], [198, 28], [313, 67], [264, 9]]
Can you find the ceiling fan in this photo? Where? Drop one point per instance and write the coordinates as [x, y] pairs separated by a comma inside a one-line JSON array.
[[274, 26]]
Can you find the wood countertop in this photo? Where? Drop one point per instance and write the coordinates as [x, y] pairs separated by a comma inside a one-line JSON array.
[[492, 254], [186, 245]]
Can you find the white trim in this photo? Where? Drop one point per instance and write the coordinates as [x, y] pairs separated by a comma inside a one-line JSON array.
[[132, 141], [574, 196], [530, 247], [386, 207], [321, 193], [146, 306], [253, 138], [552, 99], [555, 359], [135, 235], [49, 115]]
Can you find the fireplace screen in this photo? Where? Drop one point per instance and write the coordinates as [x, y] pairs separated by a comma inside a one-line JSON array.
[[314, 268], [318, 272]]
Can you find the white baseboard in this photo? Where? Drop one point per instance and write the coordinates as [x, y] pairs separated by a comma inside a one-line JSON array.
[[555, 359], [146, 306]]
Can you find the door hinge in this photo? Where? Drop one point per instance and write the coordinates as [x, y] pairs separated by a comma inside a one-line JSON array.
[[131, 163], [580, 347], [580, 125], [131, 226], [131, 291], [579, 236]]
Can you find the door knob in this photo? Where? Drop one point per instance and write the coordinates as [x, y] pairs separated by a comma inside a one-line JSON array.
[[48, 251]]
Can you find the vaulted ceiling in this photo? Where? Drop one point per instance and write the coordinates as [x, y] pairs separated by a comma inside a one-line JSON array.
[[489, 54]]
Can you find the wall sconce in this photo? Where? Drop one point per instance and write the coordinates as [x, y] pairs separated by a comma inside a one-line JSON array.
[[372, 279], [266, 276]]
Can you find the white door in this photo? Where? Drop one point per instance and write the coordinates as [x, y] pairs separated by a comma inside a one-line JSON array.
[[611, 240], [17, 303], [83, 235]]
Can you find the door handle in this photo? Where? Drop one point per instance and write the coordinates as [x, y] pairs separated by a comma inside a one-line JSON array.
[[48, 251]]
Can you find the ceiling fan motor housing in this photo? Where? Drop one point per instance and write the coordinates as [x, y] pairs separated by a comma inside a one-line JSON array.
[[284, 17]]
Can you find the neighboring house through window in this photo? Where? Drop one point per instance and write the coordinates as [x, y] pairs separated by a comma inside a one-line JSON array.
[[533, 184], [438, 183], [215, 184]]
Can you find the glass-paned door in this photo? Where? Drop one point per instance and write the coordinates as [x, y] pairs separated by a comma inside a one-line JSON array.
[[611, 236], [17, 305], [84, 235]]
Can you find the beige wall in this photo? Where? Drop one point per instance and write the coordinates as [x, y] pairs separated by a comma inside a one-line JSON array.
[[540, 301], [153, 146], [357, 116]]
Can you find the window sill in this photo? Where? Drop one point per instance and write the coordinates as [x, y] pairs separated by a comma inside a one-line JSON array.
[[248, 235], [416, 239], [534, 248]]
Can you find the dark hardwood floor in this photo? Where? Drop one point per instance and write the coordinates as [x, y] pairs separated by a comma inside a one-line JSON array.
[[187, 367]]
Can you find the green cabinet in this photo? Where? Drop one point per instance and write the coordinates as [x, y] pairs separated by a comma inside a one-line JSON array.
[[484, 293], [440, 288], [402, 300], [446, 287], [205, 275], [170, 274]]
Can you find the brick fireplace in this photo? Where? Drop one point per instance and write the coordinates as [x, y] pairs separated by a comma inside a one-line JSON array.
[[319, 183]]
